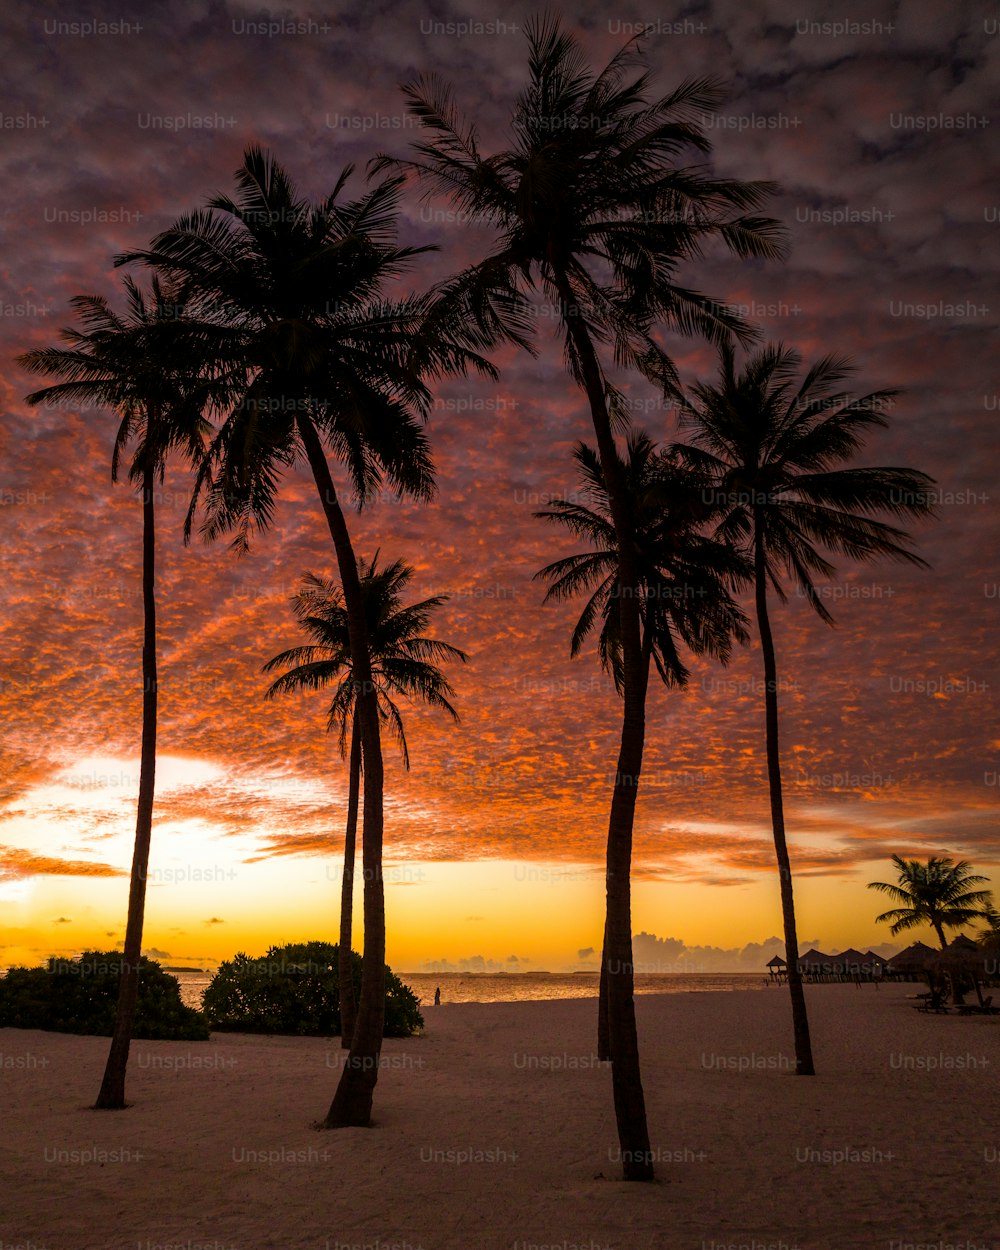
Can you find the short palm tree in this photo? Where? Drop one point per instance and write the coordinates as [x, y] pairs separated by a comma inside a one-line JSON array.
[[595, 202], [770, 447], [936, 893], [684, 588], [404, 663], [138, 364], [331, 364]]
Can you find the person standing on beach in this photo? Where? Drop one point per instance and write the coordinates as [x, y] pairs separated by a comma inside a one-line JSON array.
[[437, 997]]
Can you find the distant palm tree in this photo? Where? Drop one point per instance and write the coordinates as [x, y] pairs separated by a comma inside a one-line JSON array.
[[991, 918], [684, 580], [936, 893], [770, 447], [597, 204], [989, 938], [331, 364], [139, 364], [402, 665]]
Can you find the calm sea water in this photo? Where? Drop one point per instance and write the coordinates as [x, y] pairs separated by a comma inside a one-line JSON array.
[[486, 987]]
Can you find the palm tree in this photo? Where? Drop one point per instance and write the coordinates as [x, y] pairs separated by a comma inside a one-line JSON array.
[[936, 893], [770, 447], [684, 580], [592, 204], [403, 664], [331, 364], [139, 364], [685, 575], [991, 918]]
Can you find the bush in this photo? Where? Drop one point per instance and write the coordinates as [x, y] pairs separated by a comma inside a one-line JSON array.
[[293, 989], [80, 996]]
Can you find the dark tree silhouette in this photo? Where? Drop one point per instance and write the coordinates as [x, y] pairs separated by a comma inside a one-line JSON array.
[[331, 364], [595, 204], [403, 665], [771, 447], [683, 589], [142, 365], [936, 893]]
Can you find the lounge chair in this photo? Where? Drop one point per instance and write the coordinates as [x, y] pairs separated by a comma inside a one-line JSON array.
[[985, 1008]]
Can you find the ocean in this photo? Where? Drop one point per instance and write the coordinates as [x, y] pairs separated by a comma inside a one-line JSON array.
[[514, 987]]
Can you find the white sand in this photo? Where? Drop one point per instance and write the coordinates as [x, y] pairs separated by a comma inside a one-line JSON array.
[[906, 1105]]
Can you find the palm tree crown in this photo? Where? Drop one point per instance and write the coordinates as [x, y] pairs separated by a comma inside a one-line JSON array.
[[770, 448], [140, 364], [593, 197], [294, 295], [684, 595], [404, 661], [936, 893]]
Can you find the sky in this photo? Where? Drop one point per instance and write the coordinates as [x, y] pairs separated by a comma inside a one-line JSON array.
[[879, 124]]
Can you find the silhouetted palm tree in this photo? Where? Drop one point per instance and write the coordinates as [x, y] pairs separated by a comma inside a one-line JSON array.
[[684, 580], [770, 447], [331, 364], [140, 365], [991, 918], [936, 893], [595, 204], [685, 575], [403, 664]]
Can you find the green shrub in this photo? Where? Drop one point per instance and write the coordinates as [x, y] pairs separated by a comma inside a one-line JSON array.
[[293, 989], [80, 996]]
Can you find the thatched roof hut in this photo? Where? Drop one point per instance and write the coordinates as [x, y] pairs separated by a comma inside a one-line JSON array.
[[815, 962], [853, 963], [913, 959]]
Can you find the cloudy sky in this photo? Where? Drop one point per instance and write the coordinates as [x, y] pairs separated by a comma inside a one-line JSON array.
[[879, 124]]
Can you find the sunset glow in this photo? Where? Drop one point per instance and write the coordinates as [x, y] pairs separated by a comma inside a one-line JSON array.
[[495, 837]]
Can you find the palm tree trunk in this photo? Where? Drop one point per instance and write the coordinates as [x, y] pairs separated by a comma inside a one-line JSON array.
[[630, 1104], [345, 972], [603, 1027], [112, 1092], [939, 930], [800, 1019], [352, 1102]]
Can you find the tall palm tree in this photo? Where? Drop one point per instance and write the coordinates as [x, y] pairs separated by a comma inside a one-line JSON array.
[[139, 364], [331, 364], [403, 664], [770, 447], [684, 588], [936, 893], [593, 205]]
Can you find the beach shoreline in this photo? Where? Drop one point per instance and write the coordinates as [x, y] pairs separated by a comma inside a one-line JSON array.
[[495, 1128]]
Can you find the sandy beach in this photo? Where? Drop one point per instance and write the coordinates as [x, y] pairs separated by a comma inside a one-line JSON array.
[[495, 1129]]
